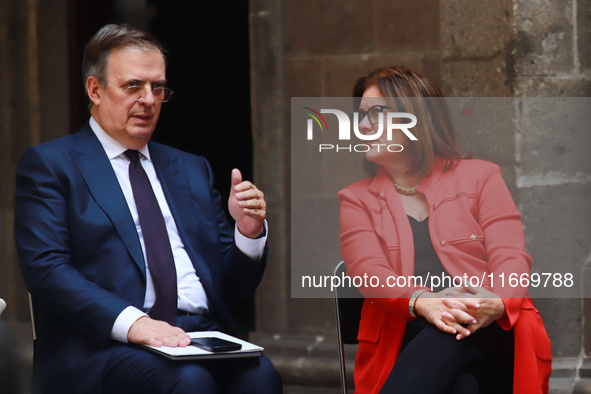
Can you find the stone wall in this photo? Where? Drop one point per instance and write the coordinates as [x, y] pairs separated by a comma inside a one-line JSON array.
[[20, 119], [33, 109], [507, 48], [526, 48]]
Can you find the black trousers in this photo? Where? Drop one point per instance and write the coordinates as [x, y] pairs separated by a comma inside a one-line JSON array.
[[434, 362]]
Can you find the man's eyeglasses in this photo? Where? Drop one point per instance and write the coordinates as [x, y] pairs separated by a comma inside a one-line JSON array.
[[137, 91], [373, 113]]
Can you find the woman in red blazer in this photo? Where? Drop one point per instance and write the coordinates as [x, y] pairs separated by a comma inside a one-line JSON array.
[[426, 212]]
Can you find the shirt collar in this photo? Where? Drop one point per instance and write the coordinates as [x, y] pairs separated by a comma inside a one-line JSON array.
[[112, 147]]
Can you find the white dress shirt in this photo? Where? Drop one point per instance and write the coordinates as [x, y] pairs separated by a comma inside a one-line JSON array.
[[190, 292]]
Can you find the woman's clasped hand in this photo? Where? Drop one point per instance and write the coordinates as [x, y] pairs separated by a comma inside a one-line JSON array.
[[460, 310]]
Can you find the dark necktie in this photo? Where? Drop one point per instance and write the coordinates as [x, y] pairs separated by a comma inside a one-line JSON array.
[[156, 242]]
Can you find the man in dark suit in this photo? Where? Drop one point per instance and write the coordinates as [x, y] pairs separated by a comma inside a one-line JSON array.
[[122, 241]]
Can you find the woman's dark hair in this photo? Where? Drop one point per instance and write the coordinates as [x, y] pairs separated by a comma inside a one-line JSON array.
[[407, 90], [108, 38]]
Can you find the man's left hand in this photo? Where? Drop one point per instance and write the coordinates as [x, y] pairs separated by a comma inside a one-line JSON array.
[[247, 206]]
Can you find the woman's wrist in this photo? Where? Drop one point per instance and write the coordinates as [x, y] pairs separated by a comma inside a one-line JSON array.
[[413, 301]]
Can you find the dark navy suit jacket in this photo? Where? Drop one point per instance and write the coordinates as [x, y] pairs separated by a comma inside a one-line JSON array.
[[81, 257]]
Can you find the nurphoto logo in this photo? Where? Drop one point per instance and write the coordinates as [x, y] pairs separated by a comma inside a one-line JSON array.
[[391, 121]]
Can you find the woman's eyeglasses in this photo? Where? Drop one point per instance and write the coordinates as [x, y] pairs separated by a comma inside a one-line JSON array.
[[373, 113]]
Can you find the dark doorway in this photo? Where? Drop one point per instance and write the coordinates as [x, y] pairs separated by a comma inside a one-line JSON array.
[[208, 67]]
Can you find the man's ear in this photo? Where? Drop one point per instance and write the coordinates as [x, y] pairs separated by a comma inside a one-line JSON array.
[[94, 89]]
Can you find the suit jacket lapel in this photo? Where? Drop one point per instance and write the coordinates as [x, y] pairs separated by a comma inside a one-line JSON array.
[[174, 179], [102, 183]]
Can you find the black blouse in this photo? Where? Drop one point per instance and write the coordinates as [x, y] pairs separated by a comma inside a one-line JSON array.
[[427, 264]]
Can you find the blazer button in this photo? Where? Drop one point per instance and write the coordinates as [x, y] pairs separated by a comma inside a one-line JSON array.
[[443, 242]]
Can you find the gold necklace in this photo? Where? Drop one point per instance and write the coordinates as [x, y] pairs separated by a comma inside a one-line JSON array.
[[407, 191]]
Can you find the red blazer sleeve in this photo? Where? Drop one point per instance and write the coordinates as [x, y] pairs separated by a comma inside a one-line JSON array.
[[504, 242]]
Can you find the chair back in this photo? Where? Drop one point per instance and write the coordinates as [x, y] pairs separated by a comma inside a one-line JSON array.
[[33, 312], [348, 304]]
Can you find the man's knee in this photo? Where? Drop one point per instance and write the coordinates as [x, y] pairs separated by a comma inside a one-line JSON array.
[[255, 376], [267, 371], [193, 378], [134, 370]]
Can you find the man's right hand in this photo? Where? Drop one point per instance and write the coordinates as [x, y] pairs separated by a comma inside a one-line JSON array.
[[147, 331]]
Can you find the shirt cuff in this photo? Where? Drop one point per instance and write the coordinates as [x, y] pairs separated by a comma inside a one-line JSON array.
[[253, 248], [124, 322]]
